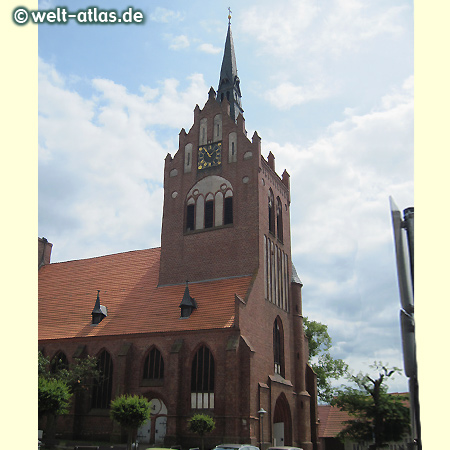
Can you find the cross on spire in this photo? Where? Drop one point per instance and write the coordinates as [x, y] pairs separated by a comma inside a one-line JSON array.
[[229, 15]]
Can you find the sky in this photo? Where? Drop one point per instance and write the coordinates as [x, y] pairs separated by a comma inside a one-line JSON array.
[[329, 87]]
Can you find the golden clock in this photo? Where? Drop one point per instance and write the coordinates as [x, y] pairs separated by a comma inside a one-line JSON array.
[[209, 155]]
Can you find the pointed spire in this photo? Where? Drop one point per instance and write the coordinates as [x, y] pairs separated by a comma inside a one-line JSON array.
[[229, 81], [188, 304], [99, 312]]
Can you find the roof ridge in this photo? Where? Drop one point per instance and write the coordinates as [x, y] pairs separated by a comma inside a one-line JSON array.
[[104, 256]]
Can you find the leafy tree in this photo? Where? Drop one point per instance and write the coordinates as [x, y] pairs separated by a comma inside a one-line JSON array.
[[379, 417], [57, 382], [201, 424], [77, 376], [320, 359], [53, 397], [130, 411]]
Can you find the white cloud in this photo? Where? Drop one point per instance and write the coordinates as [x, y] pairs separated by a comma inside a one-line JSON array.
[[209, 48], [341, 232], [164, 15], [327, 27], [101, 161], [179, 42], [286, 94]]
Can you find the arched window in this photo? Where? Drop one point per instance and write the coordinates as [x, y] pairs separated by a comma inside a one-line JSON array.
[[278, 347], [58, 362], [209, 211], [154, 365], [202, 380], [279, 220], [271, 212], [228, 208], [102, 389], [209, 204], [190, 215]]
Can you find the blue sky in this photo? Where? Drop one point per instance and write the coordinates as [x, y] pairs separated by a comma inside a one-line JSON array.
[[328, 85]]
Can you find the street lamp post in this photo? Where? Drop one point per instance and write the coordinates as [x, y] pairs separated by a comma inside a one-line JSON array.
[[261, 413]]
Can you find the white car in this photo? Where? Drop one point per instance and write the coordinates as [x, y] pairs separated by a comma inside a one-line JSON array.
[[236, 447]]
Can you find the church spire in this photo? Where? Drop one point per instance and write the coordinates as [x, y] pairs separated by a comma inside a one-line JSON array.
[[229, 80]]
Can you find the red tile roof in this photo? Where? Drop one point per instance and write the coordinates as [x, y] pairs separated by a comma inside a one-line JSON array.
[[332, 418], [128, 288]]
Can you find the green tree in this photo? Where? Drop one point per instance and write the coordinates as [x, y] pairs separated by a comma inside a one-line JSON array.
[[379, 417], [324, 365], [56, 384], [78, 375], [201, 424], [53, 397], [130, 411]]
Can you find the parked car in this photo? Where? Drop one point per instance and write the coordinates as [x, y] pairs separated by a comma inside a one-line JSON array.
[[282, 447], [236, 447]]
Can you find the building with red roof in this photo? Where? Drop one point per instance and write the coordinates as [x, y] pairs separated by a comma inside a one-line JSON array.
[[209, 322]]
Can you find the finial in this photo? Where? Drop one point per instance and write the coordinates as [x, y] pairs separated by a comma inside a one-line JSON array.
[[229, 16]]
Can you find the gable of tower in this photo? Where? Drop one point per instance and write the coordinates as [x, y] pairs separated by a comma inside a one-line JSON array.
[[211, 199]]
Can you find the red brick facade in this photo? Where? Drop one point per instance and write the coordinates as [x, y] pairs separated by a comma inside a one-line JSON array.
[[250, 371]]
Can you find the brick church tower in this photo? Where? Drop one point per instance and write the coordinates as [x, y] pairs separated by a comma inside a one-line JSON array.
[[226, 215], [211, 322]]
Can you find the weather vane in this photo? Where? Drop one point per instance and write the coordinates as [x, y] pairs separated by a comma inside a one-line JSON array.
[[229, 15]]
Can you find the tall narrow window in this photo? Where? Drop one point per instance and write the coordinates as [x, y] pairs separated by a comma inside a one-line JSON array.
[[278, 347], [279, 220], [271, 212], [228, 210], [190, 217], [232, 147], [102, 389], [154, 365], [209, 213], [202, 380]]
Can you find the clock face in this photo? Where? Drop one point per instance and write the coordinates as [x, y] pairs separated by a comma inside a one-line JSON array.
[[209, 155]]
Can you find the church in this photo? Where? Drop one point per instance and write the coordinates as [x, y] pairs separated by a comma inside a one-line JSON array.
[[211, 322]]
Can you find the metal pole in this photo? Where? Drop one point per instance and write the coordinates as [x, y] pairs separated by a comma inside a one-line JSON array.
[[405, 267]]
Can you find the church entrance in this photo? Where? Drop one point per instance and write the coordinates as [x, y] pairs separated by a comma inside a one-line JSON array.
[[154, 430], [282, 424]]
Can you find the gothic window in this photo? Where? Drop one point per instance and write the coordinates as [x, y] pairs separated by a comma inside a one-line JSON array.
[[202, 380], [154, 365], [228, 210], [279, 220], [190, 215], [278, 347], [271, 212], [58, 362], [102, 389], [218, 127], [188, 158], [209, 204], [232, 147], [203, 131], [209, 212], [276, 276]]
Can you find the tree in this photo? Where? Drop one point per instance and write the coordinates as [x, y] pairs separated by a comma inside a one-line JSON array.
[[53, 397], [320, 359], [130, 411], [57, 381], [379, 417], [78, 375], [201, 424]]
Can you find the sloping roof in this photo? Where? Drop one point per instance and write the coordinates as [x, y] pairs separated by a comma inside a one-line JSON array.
[[128, 288], [332, 418]]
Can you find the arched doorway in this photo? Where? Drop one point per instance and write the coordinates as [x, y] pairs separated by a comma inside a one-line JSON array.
[[282, 423], [154, 430]]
